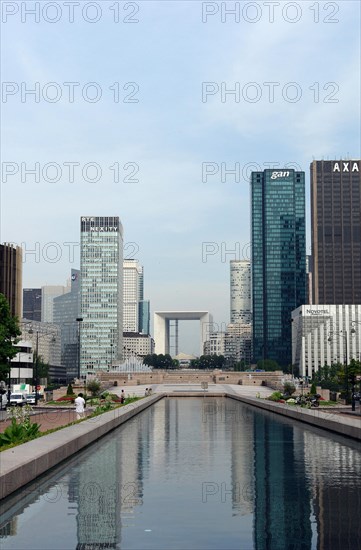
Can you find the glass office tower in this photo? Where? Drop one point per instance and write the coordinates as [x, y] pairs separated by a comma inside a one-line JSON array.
[[278, 260], [101, 266]]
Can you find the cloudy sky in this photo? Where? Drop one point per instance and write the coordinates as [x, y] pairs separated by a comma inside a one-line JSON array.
[[133, 115]]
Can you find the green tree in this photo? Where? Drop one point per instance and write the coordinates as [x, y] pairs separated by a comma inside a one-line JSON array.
[[42, 368], [268, 365], [9, 331], [94, 387]]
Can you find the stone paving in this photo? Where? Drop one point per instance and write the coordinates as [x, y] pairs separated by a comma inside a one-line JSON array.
[[54, 418], [50, 419]]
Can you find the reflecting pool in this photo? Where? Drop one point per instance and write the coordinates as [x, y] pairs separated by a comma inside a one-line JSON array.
[[196, 473]]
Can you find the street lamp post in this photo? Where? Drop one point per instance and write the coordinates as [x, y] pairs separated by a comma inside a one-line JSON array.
[[343, 333], [36, 367], [35, 362], [79, 320], [353, 379], [9, 382]]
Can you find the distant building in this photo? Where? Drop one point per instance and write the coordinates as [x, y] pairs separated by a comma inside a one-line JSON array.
[[11, 272], [336, 231], [241, 295], [278, 260], [235, 343], [48, 293], [32, 304], [22, 364], [132, 291], [137, 345], [101, 266], [66, 310], [46, 337], [309, 270], [325, 334], [144, 317]]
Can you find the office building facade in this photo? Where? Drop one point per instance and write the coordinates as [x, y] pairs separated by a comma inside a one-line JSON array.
[[144, 317], [11, 273], [32, 304], [48, 294], [101, 272], [325, 334], [133, 292], [66, 311], [278, 260], [336, 231]]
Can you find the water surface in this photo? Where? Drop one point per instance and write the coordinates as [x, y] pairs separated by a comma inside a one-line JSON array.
[[194, 473]]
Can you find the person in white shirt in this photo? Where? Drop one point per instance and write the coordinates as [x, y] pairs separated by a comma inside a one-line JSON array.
[[80, 406]]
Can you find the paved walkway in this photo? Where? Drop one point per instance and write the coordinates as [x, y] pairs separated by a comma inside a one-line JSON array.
[[54, 418], [49, 419]]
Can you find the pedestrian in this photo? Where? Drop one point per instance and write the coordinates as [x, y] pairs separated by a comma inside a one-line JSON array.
[[80, 406], [146, 392], [122, 396]]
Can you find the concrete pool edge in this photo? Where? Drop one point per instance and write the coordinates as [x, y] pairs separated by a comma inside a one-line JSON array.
[[348, 427], [24, 463]]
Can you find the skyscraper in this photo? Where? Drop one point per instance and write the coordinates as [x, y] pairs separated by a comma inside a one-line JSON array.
[[336, 231], [278, 260], [133, 293], [101, 267], [11, 272], [241, 298], [66, 309], [32, 304], [48, 294]]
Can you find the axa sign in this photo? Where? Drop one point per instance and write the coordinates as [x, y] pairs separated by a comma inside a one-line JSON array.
[[348, 166], [276, 175]]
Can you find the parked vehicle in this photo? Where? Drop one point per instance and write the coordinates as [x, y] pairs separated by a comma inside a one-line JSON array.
[[314, 400], [18, 399], [310, 400], [31, 398]]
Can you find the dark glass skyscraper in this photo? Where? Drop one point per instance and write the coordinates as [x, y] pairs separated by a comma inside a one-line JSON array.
[[32, 304], [336, 231], [278, 259]]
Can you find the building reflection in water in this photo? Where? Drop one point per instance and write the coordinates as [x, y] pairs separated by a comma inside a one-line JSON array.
[[274, 484], [282, 498], [334, 477]]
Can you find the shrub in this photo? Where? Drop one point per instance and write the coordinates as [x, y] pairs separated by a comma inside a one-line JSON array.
[[21, 428], [70, 390], [93, 386], [276, 396], [289, 388], [66, 398], [313, 389]]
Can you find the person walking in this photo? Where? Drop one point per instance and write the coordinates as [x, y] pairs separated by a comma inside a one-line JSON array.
[[80, 406]]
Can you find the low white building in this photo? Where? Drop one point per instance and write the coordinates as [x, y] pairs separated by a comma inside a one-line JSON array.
[[137, 345], [235, 343], [325, 334], [22, 364]]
